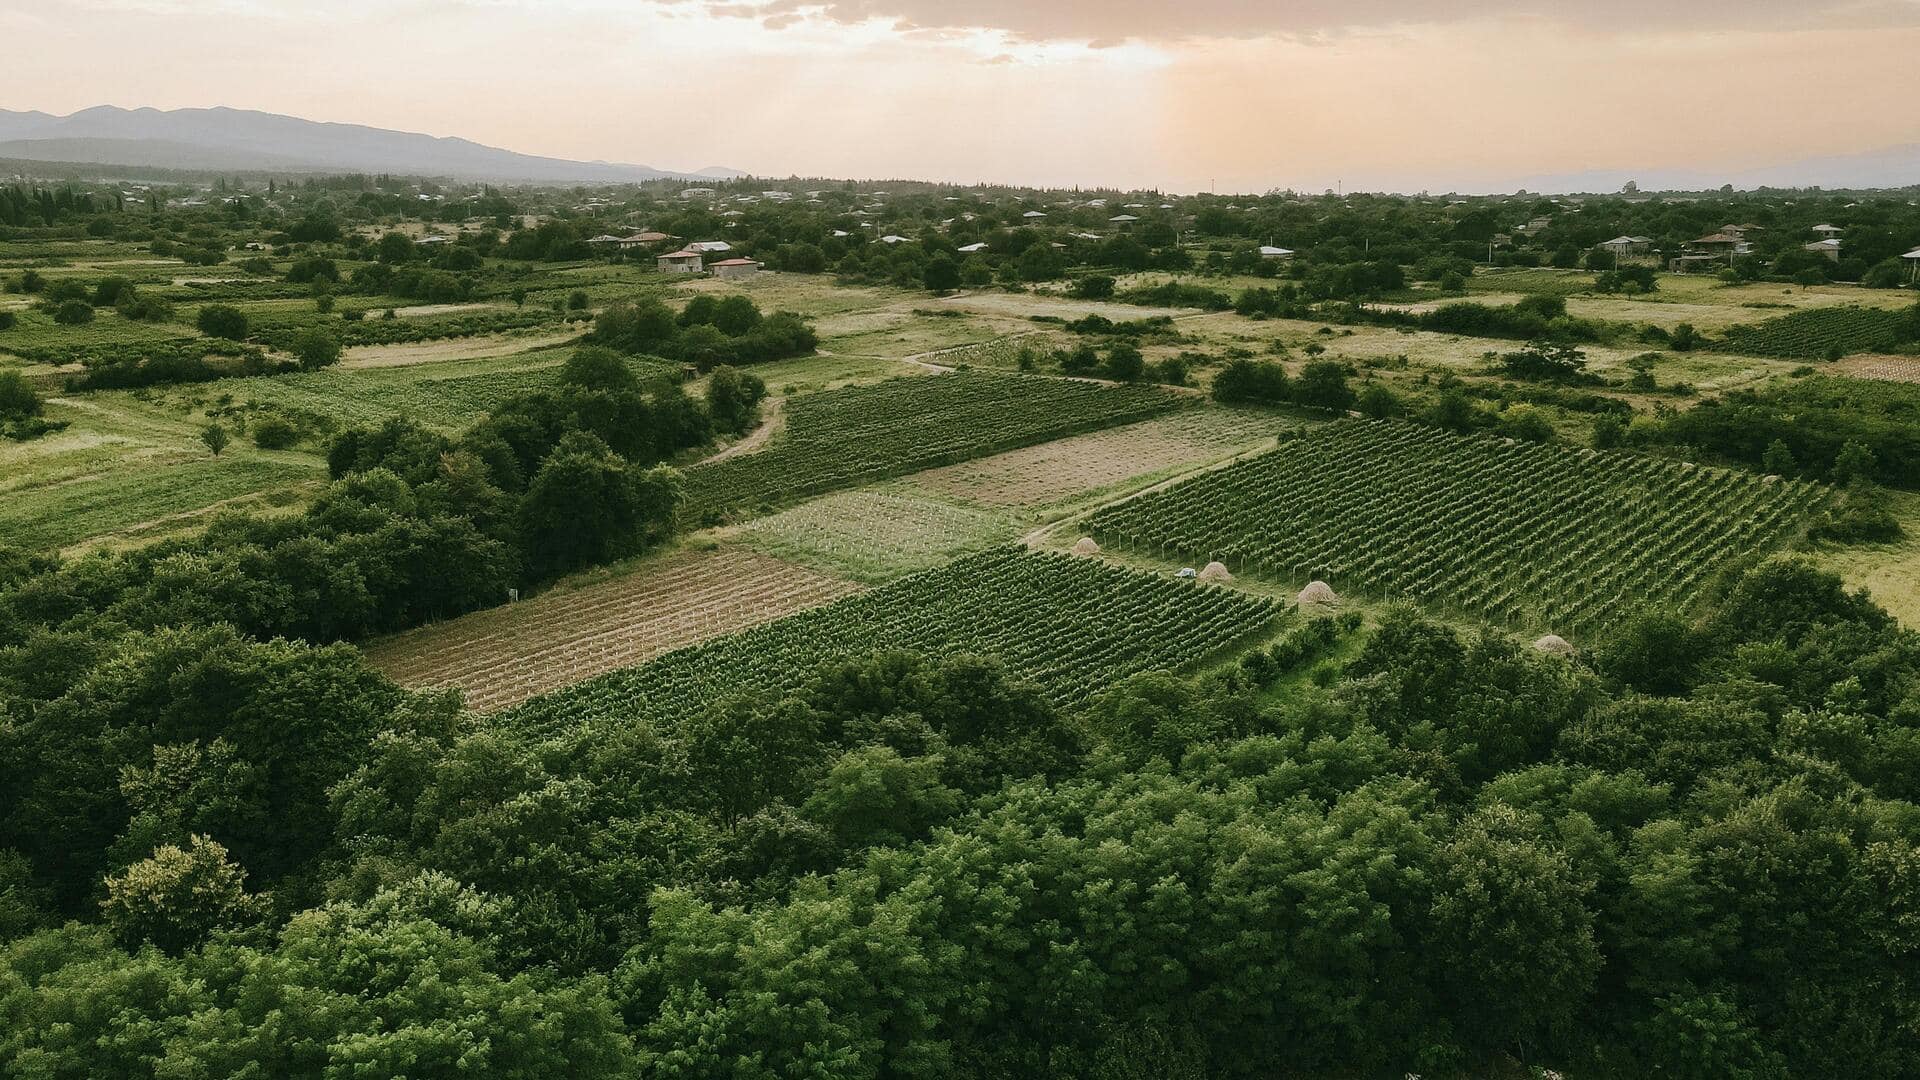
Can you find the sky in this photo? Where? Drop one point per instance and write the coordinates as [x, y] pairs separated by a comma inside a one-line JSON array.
[[1177, 95]]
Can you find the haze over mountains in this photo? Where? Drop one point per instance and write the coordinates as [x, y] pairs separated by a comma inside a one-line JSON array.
[[245, 140]]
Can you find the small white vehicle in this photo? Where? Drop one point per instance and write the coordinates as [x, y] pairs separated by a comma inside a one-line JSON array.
[[1187, 572]]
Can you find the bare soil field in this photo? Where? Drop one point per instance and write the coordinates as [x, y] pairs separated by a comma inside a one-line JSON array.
[[1903, 369], [505, 655], [1067, 468]]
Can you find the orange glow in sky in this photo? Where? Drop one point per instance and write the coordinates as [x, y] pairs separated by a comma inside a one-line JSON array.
[[1236, 94]]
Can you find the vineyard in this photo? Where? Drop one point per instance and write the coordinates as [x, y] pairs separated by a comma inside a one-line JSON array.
[[863, 433], [1821, 333], [876, 534], [1073, 626], [57, 515], [1515, 532], [505, 655], [1071, 468]]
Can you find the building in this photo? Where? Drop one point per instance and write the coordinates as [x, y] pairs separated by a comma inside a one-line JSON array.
[[980, 245], [1828, 232], [1717, 248], [892, 238], [1627, 245], [708, 247], [735, 268], [641, 239], [698, 193], [1033, 215], [1122, 220], [680, 262], [1829, 247], [1913, 264], [1268, 251], [603, 240]]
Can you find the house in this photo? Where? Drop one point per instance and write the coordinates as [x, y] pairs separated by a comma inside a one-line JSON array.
[[698, 193], [705, 247], [1122, 220], [1268, 251], [735, 268], [685, 261], [1830, 247], [1828, 232], [1711, 250], [1913, 264], [435, 239], [979, 246], [1033, 215], [1627, 245], [643, 239], [602, 240], [891, 238]]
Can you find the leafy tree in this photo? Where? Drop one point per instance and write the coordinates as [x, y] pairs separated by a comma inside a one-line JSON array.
[[1545, 361], [1124, 362], [1323, 385], [1093, 287], [396, 248], [18, 399], [73, 313], [941, 275], [215, 437], [1778, 459], [733, 397], [1854, 462], [223, 321], [1259, 381], [175, 898], [587, 506], [1376, 402], [315, 348], [596, 367]]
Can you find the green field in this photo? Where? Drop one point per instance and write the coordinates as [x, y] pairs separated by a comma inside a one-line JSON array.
[[1535, 536], [864, 433], [1071, 625]]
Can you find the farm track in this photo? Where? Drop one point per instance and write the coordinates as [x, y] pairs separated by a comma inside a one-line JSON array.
[[505, 655], [772, 419]]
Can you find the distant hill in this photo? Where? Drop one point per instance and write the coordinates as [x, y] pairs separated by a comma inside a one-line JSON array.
[[245, 140], [1891, 167]]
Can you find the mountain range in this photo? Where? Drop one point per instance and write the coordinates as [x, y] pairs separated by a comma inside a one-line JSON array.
[[242, 140]]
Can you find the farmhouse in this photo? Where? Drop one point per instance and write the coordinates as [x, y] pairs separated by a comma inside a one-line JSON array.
[[1627, 245], [1718, 247], [1830, 247], [1828, 232], [735, 268], [643, 239], [706, 247], [680, 262]]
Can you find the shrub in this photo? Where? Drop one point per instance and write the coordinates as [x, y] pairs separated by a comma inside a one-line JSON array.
[[223, 321], [73, 313], [274, 433]]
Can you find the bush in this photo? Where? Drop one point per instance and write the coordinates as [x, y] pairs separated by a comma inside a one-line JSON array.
[[315, 349], [73, 313], [18, 399], [223, 321], [7, 319], [274, 433]]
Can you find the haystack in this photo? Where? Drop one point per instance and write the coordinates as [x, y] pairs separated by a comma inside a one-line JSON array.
[[1555, 645], [1086, 546], [1215, 572], [1317, 593]]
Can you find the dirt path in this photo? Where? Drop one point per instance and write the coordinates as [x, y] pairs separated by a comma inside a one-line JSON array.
[[772, 419]]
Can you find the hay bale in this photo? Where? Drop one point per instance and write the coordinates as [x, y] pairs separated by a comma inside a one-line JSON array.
[[1086, 546], [1317, 594], [1555, 645], [1215, 572]]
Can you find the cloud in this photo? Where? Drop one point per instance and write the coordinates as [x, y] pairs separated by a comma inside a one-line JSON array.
[[1107, 21]]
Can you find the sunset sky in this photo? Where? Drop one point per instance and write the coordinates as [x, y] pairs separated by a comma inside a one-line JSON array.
[[1240, 95]]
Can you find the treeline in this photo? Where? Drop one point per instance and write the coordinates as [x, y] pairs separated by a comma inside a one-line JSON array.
[[415, 525], [707, 333], [1692, 853], [1804, 428]]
